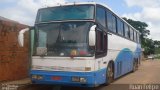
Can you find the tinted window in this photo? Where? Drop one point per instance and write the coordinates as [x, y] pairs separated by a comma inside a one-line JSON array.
[[63, 37], [120, 26], [109, 21], [131, 33], [138, 40], [99, 41], [101, 45], [100, 16], [126, 28], [66, 13], [135, 36], [114, 23]]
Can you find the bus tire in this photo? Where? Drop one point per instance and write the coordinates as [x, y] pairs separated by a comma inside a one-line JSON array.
[[109, 73], [135, 66], [139, 61]]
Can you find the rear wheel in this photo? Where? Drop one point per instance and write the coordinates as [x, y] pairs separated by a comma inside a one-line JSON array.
[[135, 66], [109, 74]]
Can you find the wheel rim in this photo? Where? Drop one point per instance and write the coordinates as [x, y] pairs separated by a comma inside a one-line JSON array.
[[110, 74], [135, 66]]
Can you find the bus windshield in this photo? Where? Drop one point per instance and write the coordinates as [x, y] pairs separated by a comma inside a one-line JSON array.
[[80, 12], [64, 39]]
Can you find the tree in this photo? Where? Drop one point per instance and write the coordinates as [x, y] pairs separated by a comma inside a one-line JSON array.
[[157, 48], [157, 44], [149, 47]]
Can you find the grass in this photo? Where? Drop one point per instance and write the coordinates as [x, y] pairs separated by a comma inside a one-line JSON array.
[[157, 57]]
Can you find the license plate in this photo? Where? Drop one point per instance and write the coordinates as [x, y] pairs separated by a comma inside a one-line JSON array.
[[56, 78]]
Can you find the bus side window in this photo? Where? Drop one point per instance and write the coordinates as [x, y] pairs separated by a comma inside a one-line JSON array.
[[120, 27], [135, 36], [126, 28], [138, 38], [100, 16], [101, 42], [131, 33], [105, 42], [111, 22], [114, 24]]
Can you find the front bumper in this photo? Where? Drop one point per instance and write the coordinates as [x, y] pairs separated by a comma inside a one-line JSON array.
[[92, 78]]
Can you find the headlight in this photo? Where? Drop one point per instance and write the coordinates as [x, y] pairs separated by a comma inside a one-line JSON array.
[[75, 79], [38, 77], [79, 79], [83, 80], [34, 77]]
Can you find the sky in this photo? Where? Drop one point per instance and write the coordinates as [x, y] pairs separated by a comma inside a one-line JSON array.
[[24, 11]]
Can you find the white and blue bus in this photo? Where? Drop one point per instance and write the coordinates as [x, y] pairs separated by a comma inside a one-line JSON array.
[[81, 44]]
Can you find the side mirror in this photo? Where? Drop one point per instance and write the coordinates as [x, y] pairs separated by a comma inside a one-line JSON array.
[[92, 36], [21, 36]]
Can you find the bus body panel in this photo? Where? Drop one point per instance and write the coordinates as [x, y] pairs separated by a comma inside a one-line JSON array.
[[123, 52], [62, 64]]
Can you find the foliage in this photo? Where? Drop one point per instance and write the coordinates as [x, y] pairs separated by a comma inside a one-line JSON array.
[[148, 46], [157, 49]]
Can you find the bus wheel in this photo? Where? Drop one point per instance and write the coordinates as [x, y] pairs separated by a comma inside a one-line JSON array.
[[109, 74], [135, 66]]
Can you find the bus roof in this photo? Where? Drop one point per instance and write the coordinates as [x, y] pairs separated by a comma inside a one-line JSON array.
[[91, 3]]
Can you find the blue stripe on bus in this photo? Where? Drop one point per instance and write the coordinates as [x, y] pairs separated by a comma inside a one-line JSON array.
[[124, 61], [93, 78]]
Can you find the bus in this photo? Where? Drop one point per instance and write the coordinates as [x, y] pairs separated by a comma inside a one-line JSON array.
[[81, 44]]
